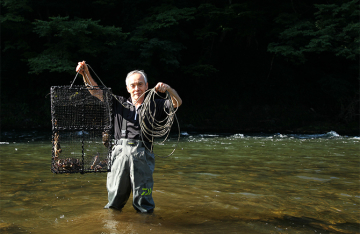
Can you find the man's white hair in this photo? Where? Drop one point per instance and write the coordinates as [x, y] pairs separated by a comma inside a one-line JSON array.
[[141, 72]]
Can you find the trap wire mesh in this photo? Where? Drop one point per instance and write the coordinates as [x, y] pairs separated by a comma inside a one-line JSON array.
[[81, 129]]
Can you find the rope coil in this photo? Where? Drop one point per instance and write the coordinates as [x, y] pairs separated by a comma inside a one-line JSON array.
[[159, 128]]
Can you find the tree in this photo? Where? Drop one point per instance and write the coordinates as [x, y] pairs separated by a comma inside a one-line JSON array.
[[327, 46], [333, 29], [66, 40], [160, 36]]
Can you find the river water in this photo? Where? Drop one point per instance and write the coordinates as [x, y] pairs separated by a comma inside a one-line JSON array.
[[213, 183]]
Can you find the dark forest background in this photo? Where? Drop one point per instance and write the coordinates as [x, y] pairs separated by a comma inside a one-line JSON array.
[[239, 65]]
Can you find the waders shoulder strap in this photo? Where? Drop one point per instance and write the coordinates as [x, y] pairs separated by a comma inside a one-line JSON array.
[[123, 128], [124, 122]]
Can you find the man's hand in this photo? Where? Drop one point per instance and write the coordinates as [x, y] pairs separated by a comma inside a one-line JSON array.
[[82, 68], [161, 87]]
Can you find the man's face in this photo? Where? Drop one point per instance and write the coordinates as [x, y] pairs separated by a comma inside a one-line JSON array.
[[136, 87]]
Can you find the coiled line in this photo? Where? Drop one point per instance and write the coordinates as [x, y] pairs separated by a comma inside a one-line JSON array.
[[157, 128]]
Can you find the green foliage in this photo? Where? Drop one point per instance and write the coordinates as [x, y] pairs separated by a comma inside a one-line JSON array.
[[333, 29], [207, 50], [108, 3], [167, 51], [14, 10], [54, 61], [166, 16], [14, 25], [66, 38], [159, 35], [200, 71]]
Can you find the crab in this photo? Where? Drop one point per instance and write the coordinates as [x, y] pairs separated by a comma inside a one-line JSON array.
[[67, 164], [57, 165], [97, 164], [105, 139], [72, 164], [57, 147]]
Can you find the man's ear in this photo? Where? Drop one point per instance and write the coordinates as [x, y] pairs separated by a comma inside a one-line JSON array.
[[147, 86], [127, 88]]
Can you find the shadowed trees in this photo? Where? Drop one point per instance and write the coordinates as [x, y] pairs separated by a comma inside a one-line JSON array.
[[253, 65]]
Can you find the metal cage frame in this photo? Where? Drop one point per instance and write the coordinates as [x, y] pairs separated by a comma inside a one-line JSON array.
[[78, 117]]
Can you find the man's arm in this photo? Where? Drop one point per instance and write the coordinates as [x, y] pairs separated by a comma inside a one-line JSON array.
[[94, 90], [162, 88]]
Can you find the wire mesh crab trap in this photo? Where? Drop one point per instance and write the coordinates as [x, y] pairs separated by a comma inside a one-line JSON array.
[[81, 127]]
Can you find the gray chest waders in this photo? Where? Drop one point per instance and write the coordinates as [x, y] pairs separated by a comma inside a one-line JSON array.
[[131, 170]]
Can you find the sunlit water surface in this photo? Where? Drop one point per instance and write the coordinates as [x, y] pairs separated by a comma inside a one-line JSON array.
[[213, 183]]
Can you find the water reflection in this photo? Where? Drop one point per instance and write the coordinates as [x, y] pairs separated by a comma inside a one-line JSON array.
[[214, 183]]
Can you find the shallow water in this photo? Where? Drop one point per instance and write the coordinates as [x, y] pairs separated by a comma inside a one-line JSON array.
[[214, 183]]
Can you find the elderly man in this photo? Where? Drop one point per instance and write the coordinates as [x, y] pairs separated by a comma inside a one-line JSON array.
[[132, 162]]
